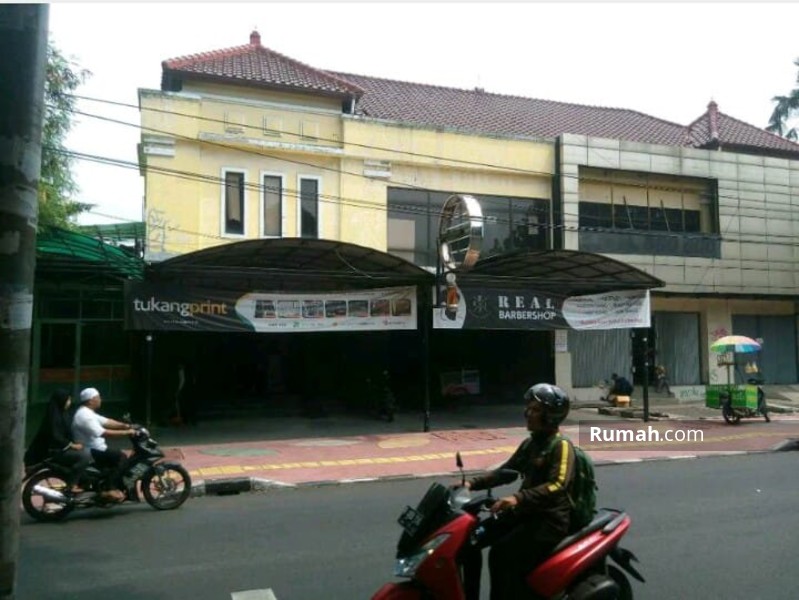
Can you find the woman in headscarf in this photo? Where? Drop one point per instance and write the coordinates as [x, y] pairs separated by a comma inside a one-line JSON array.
[[54, 439]]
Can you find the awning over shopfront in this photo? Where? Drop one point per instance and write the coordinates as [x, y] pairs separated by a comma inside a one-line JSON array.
[[555, 289], [290, 264], [566, 272], [68, 254], [256, 285]]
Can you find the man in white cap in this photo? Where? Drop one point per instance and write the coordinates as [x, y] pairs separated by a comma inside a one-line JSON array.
[[91, 429]]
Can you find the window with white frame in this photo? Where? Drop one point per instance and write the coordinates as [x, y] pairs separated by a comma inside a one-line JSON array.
[[272, 206], [309, 207], [233, 203]]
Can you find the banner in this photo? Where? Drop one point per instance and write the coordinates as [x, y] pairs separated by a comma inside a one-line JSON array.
[[493, 308], [154, 307]]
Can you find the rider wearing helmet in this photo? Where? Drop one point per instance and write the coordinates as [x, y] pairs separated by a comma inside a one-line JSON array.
[[536, 518]]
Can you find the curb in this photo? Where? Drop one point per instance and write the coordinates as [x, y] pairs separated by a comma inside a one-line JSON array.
[[237, 485]]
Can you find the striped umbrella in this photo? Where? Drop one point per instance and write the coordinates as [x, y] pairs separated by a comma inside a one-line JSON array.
[[734, 343]]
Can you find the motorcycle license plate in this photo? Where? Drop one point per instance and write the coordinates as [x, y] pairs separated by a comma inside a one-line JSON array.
[[410, 520]]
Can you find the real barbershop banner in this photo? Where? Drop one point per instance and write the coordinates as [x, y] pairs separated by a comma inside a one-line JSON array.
[[495, 308], [154, 307]]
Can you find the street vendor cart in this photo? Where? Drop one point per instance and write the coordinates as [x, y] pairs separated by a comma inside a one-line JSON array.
[[736, 401]]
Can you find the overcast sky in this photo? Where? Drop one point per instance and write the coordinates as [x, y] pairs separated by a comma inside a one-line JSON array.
[[664, 59]]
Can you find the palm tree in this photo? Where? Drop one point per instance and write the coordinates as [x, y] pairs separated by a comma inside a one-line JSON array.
[[787, 106]]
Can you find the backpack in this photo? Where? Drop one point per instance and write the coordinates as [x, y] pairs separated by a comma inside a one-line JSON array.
[[582, 495]]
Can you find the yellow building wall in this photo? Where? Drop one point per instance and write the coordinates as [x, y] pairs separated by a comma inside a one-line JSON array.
[[254, 131]]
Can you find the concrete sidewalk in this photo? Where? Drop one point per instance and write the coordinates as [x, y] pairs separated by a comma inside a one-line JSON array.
[[230, 456]]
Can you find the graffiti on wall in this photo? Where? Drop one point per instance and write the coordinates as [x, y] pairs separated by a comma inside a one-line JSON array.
[[689, 392], [719, 332], [156, 230]]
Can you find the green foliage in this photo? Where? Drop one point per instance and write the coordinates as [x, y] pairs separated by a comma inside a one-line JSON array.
[[786, 108], [56, 184]]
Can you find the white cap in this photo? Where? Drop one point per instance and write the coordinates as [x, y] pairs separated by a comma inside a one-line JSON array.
[[88, 394]]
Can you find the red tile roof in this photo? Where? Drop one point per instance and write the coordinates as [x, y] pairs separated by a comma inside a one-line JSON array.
[[255, 64], [477, 110], [715, 127], [472, 110]]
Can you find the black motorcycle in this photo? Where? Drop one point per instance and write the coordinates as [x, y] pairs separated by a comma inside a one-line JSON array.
[[165, 485]]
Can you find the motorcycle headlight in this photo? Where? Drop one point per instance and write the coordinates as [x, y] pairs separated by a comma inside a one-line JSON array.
[[406, 567]]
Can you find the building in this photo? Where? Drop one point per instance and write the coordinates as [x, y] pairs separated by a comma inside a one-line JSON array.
[[244, 143], [78, 336]]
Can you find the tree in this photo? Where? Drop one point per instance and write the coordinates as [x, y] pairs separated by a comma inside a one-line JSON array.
[[57, 184], [786, 108]]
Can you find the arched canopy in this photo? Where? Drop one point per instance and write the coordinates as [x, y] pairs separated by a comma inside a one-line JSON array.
[[63, 253], [567, 272], [299, 264], [294, 264]]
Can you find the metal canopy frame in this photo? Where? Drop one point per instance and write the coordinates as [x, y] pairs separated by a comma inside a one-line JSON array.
[[566, 272], [299, 264], [294, 264], [65, 253]]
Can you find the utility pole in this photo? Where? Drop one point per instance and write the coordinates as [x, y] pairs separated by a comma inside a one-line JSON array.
[[23, 59]]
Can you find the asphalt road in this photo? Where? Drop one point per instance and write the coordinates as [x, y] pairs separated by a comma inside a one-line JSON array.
[[725, 527]]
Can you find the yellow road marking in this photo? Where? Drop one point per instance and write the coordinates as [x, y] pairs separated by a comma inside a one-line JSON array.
[[235, 469]]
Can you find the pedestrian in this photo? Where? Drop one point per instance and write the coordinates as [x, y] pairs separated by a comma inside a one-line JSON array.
[[91, 429], [619, 386], [662, 383], [54, 440]]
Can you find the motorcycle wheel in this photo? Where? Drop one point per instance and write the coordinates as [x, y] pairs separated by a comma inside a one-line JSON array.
[[166, 487], [37, 506], [625, 588], [732, 417]]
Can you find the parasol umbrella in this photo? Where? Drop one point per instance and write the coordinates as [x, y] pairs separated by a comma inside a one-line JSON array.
[[735, 343]]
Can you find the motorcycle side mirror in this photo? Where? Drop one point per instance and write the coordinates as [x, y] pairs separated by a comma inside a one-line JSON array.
[[459, 464]]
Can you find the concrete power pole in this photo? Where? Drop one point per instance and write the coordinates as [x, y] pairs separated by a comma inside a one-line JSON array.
[[23, 59]]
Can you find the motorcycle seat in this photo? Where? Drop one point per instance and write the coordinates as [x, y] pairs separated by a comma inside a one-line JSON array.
[[602, 518]]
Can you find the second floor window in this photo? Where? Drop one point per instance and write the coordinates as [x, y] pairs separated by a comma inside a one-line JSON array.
[[234, 203], [309, 208], [272, 206]]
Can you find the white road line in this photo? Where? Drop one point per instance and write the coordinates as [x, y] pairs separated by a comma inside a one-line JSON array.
[[266, 594]]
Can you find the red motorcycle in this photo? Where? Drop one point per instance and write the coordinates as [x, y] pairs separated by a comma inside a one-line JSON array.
[[446, 520]]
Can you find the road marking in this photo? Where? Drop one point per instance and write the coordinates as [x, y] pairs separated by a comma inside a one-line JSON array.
[[657, 446], [266, 594]]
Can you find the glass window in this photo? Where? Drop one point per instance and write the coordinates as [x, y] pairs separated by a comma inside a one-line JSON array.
[[309, 208], [96, 309], [510, 223], [496, 226], [234, 203], [411, 229], [692, 221], [273, 205], [57, 345], [596, 215], [622, 219], [104, 343], [61, 308]]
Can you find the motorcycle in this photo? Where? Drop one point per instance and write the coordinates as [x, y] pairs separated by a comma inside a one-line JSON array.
[[165, 485], [446, 520]]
